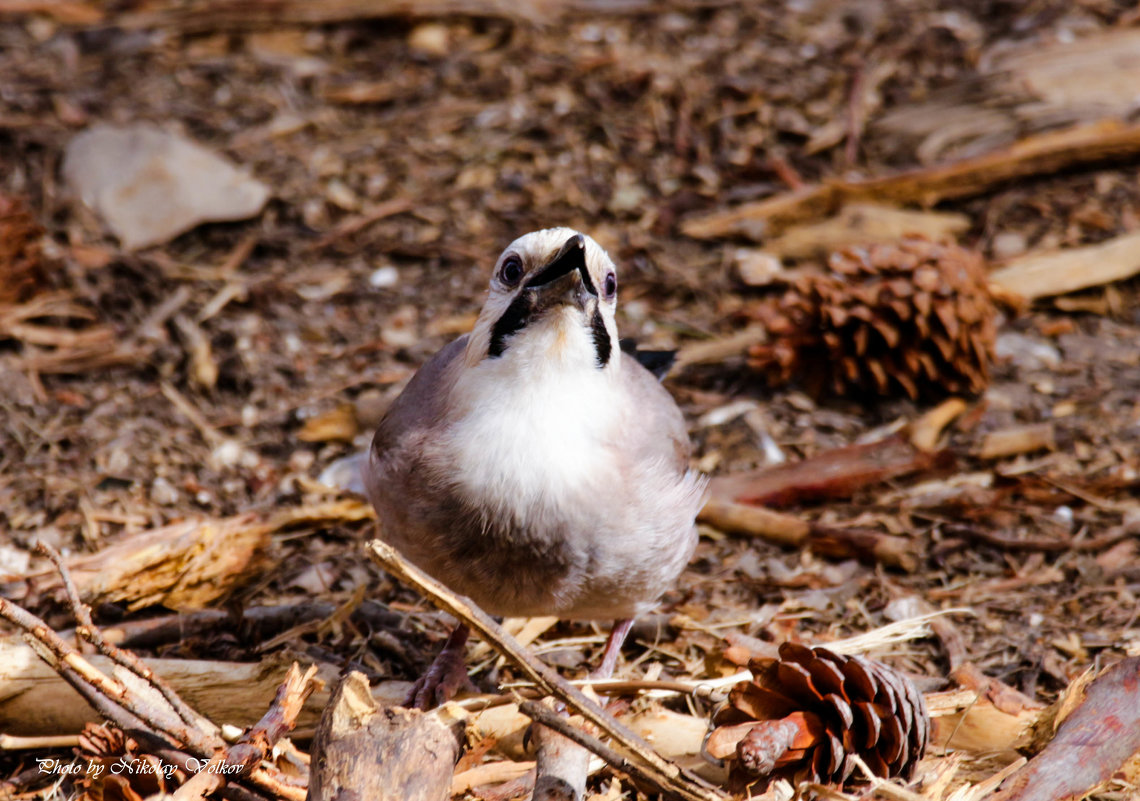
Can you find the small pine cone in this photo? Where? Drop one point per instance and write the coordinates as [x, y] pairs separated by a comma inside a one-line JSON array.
[[915, 316], [21, 268], [805, 714]]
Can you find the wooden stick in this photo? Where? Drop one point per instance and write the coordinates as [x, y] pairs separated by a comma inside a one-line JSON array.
[[10, 742], [1036, 155], [791, 531], [665, 775]]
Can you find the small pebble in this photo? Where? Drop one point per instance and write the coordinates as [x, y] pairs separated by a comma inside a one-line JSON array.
[[384, 277], [1008, 244], [163, 492]]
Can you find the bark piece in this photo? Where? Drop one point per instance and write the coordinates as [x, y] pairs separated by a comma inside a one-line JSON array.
[[837, 473], [21, 259], [1100, 733], [862, 224], [389, 754]]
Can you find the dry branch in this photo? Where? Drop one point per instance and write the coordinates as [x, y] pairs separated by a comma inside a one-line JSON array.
[[132, 700], [257, 623], [665, 775], [88, 630], [1037, 155], [862, 224], [559, 727]]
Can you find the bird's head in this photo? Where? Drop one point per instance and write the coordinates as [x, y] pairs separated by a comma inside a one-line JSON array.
[[553, 295]]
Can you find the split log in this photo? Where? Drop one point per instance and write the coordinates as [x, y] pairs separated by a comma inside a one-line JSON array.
[[390, 754], [36, 701]]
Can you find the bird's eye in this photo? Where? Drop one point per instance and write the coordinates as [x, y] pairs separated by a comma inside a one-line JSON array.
[[609, 286], [512, 270]]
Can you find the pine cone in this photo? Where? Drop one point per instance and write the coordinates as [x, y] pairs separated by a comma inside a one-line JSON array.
[[21, 269], [805, 714], [915, 316]]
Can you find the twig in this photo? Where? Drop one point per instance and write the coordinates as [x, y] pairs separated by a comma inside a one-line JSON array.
[[90, 632], [10, 742], [105, 694], [279, 719], [354, 224], [1042, 544], [665, 775], [118, 703], [191, 413]]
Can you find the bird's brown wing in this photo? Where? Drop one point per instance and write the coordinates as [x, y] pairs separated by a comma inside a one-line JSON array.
[[420, 405], [655, 431]]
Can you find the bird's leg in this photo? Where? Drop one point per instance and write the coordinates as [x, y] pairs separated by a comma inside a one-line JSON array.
[[613, 649], [445, 676]]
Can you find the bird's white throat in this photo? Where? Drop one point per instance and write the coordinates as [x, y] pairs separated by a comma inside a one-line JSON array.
[[534, 422]]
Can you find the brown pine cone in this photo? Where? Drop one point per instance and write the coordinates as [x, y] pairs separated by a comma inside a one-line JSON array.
[[805, 714], [914, 317]]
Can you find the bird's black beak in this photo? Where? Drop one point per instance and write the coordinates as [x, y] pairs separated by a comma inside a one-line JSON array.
[[570, 257]]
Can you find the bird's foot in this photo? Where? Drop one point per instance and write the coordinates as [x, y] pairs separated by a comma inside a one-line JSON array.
[[445, 677]]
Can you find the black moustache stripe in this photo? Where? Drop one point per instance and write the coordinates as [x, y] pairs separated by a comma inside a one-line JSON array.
[[603, 347], [514, 318]]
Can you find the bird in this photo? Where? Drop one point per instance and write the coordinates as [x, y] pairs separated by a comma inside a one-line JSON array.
[[532, 465]]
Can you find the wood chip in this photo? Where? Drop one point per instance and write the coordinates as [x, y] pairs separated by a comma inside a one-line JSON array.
[[1018, 440], [1038, 275]]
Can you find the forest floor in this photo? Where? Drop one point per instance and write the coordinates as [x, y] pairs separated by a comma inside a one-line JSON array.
[[232, 364]]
